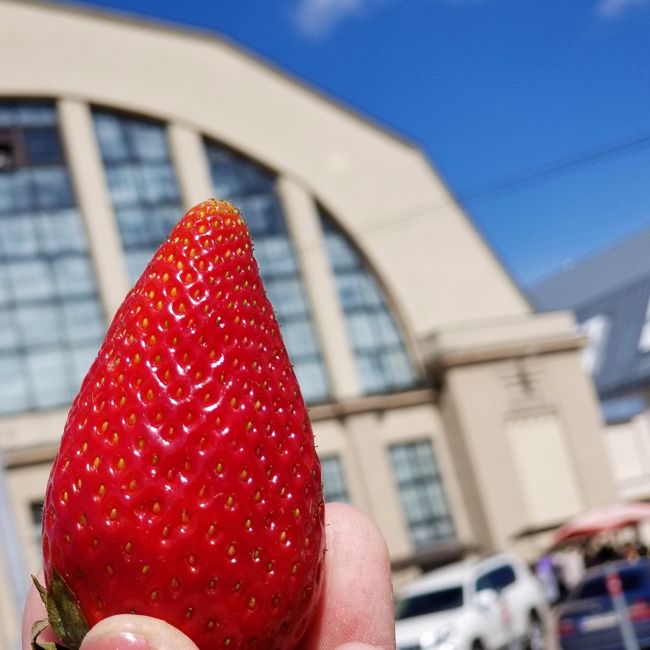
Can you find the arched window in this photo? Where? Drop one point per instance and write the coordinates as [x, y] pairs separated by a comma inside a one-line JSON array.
[[51, 321], [141, 181], [252, 189], [376, 341]]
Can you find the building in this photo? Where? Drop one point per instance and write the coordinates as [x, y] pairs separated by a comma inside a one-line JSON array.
[[610, 295], [442, 404]]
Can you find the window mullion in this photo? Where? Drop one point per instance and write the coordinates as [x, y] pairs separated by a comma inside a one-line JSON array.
[[191, 164], [304, 227], [94, 202]]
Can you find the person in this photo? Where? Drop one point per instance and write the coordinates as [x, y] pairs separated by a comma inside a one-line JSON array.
[[546, 574], [355, 611]]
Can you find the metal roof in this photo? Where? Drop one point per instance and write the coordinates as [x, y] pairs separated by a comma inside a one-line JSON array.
[[596, 276], [614, 284]]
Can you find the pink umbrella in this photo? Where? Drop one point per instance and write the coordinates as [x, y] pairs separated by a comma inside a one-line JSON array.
[[602, 519]]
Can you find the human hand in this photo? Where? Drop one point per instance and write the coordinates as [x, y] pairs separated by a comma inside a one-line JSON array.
[[355, 611]]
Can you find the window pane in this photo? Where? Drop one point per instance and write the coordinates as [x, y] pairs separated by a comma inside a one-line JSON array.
[[82, 321], [15, 192], [45, 370], [43, 146], [74, 276], [252, 189], [311, 374], [147, 141], [111, 137], [381, 355], [60, 231], [123, 185], [421, 492], [38, 323], [31, 280], [34, 114], [52, 187], [13, 387], [9, 339], [17, 237], [44, 268], [334, 485], [82, 358]]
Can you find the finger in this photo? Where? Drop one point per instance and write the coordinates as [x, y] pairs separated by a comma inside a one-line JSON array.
[[357, 601], [129, 632]]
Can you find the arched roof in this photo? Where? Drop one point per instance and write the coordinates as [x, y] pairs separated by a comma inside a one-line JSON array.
[[381, 188]]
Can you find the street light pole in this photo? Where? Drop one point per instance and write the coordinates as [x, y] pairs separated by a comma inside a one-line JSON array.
[[615, 590]]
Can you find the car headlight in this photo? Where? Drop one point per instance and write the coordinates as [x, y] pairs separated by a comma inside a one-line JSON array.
[[435, 638]]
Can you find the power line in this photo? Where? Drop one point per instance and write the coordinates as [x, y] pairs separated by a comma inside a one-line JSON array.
[[557, 167], [567, 164]]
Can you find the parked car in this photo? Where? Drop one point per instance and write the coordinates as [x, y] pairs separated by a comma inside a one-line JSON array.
[[483, 604], [588, 617]]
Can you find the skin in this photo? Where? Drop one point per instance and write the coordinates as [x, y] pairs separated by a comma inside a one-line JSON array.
[[355, 611]]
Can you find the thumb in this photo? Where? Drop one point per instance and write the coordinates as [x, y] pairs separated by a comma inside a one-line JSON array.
[[128, 632]]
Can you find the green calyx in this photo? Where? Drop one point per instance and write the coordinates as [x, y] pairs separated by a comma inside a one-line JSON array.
[[64, 615]]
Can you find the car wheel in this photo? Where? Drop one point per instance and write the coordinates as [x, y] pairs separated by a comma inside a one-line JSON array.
[[534, 634], [477, 645]]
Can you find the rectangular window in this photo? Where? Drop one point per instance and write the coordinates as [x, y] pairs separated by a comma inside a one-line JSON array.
[[595, 329], [334, 484], [45, 268], [422, 493]]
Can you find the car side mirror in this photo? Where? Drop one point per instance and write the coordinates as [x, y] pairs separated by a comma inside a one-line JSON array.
[[487, 599]]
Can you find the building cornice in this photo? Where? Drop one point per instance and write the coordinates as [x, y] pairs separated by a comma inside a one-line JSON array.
[[372, 404], [502, 339]]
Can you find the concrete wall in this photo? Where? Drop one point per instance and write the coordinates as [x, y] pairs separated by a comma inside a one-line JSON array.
[[628, 452], [522, 417]]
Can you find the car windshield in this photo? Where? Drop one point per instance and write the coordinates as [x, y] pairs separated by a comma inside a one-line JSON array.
[[597, 586], [429, 603]]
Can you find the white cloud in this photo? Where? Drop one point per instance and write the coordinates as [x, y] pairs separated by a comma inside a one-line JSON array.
[[614, 8], [316, 18]]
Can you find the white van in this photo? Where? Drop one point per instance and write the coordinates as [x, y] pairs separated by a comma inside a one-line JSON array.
[[483, 604]]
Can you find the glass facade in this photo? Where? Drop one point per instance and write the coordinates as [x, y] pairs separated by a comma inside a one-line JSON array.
[[51, 321], [334, 485], [252, 190], [375, 338], [142, 183], [421, 492]]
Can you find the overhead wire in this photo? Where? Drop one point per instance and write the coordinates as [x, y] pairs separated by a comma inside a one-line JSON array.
[[509, 183]]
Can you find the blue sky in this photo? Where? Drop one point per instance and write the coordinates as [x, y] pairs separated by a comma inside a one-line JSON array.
[[490, 89]]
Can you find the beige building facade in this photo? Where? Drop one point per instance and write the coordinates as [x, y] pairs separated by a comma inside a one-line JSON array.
[[442, 405]]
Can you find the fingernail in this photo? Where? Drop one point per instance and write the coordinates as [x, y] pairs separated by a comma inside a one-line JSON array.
[[122, 641]]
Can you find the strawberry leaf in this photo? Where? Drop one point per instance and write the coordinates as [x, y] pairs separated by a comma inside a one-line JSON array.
[[37, 628], [42, 591], [64, 615]]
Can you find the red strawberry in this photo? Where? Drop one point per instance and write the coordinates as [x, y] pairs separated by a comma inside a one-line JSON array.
[[187, 486]]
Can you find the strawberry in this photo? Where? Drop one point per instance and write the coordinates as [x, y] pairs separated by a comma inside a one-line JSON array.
[[187, 486]]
